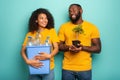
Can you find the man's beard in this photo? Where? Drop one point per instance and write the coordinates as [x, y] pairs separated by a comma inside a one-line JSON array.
[[76, 19]]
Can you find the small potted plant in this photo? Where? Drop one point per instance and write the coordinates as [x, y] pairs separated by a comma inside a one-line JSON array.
[[78, 30]]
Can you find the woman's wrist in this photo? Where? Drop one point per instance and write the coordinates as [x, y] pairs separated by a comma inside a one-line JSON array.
[[49, 56], [27, 61]]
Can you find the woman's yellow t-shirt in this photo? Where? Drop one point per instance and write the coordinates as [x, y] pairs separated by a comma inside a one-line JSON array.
[[44, 34]]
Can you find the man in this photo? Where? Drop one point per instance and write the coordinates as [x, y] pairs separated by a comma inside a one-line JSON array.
[[77, 60]]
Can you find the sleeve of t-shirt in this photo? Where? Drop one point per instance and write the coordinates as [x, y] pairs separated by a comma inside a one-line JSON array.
[[95, 33], [25, 40], [61, 33], [54, 36]]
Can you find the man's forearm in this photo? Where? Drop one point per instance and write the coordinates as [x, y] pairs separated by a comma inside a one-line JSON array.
[[92, 49], [63, 47]]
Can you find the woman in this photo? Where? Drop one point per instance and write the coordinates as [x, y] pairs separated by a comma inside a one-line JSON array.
[[41, 23]]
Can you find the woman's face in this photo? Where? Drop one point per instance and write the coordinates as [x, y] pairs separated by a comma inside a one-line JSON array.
[[42, 20]]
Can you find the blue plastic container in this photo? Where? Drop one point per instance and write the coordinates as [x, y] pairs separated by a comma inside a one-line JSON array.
[[34, 50]]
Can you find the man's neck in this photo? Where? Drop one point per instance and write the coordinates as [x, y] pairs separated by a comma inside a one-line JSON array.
[[79, 21]]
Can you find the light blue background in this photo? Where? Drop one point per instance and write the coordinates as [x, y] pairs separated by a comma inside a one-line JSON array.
[[14, 15]]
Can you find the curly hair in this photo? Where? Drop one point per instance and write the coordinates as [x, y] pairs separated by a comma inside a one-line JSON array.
[[33, 26]]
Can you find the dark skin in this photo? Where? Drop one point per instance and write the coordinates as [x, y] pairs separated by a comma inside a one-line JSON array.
[[95, 42]]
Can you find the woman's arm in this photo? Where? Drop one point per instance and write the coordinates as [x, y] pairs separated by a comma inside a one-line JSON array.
[[32, 62], [44, 56]]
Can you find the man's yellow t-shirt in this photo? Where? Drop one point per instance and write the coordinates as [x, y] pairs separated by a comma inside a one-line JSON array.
[[44, 34], [80, 61]]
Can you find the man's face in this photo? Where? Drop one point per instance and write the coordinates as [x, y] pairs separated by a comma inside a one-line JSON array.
[[74, 13]]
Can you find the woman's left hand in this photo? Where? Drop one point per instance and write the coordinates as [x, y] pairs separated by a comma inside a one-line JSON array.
[[42, 56]]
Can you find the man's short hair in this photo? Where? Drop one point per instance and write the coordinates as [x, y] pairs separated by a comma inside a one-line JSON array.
[[75, 5]]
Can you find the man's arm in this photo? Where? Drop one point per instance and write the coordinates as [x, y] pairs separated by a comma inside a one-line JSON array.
[[95, 47], [63, 46]]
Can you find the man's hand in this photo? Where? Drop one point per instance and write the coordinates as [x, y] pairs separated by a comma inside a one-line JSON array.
[[75, 49]]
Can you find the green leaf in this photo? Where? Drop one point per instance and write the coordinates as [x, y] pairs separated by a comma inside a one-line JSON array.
[[78, 29]]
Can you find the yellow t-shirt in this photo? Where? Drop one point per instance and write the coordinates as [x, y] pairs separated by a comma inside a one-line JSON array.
[[82, 60], [46, 32]]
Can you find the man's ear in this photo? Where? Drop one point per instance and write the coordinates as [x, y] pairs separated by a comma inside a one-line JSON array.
[[81, 11]]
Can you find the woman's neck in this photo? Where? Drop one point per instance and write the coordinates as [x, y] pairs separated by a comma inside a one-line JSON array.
[[41, 29]]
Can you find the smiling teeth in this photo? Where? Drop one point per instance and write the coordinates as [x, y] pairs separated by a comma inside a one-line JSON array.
[[73, 16]]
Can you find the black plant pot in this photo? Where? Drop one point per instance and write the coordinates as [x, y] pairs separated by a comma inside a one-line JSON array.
[[76, 43]]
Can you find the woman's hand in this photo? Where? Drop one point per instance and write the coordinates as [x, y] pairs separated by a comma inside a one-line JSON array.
[[42, 56], [34, 63]]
